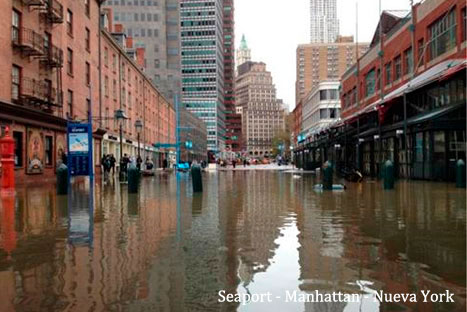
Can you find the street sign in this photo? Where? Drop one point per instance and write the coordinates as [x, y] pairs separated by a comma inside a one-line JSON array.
[[79, 141]]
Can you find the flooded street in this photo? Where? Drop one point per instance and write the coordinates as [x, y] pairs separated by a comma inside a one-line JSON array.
[[167, 249]]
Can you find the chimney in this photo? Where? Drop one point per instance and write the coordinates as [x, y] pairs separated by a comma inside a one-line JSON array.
[[118, 29], [140, 57], [129, 42]]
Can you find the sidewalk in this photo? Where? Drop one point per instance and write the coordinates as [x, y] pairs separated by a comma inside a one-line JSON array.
[[256, 167]]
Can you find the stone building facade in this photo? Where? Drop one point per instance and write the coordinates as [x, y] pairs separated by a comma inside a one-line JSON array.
[[263, 115]]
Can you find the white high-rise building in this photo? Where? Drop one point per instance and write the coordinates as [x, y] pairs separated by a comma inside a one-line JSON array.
[[324, 25]]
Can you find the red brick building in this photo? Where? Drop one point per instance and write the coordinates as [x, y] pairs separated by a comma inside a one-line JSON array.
[[405, 98], [50, 73], [297, 125]]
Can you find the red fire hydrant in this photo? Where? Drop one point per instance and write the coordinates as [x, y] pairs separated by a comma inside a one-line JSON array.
[[7, 152]]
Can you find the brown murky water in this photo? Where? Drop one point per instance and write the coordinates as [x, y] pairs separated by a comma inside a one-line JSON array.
[[166, 249]]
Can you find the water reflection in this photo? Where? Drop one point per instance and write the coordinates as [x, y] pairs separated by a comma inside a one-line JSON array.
[[102, 249]]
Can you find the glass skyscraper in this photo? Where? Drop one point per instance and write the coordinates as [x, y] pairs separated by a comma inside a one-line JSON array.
[[202, 59]]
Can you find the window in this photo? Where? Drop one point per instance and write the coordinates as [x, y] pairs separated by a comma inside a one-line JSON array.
[[408, 65], [334, 94], [397, 68], [106, 120], [443, 34], [106, 57], [421, 54], [87, 5], [114, 89], [15, 82], [114, 63], [323, 95], [323, 113], [370, 83], [18, 137], [48, 150], [388, 73], [69, 22], [16, 24], [378, 79], [69, 64], [106, 86], [464, 25], [87, 39], [88, 74], [69, 102]]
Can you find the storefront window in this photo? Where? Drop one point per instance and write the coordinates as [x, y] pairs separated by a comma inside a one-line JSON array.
[[419, 147], [18, 137], [457, 141], [48, 150]]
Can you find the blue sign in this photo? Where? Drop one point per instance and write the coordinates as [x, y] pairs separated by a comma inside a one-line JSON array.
[[79, 138], [189, 144]]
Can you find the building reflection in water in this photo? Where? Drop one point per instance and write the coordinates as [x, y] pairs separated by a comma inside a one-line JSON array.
[[103, 249]]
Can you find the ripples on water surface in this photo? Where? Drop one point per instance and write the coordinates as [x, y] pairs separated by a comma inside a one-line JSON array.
[[249, 232]]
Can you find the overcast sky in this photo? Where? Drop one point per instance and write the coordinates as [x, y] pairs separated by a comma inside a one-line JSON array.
[[274, 28]]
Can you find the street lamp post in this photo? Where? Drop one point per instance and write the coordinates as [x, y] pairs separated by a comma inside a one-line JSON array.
[[120, 117], [138, 127]]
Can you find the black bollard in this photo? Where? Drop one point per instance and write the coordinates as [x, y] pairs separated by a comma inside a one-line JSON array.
[[133, 178], [388, 175], [328, 173], [62, 180], [460, 174], [196, 178]]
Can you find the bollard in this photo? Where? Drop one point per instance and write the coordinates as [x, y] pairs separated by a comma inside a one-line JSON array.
[[388, 175], [62, 180], [328, 173], [133, 178], [196, 178], [460, 174]]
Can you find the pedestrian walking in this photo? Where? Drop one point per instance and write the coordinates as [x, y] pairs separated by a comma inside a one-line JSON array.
[[112, 163]]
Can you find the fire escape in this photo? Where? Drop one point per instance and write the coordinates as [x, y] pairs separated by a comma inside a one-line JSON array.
[[40, 93]]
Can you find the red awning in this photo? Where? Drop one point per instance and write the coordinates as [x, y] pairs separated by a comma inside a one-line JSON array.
[[453, 70]]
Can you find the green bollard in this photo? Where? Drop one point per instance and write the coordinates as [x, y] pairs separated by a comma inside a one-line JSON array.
[[196, 179], [133, 178], [460, 174], [388, 175], [328, 173], [62, 180]]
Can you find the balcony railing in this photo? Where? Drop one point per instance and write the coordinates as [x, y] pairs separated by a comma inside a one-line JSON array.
[[54, 11], [39, 93], [28, 41], [53, 56]]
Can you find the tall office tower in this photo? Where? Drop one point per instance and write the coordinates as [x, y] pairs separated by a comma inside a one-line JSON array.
[[324, 25], [317, 62], [154, 25], [233, 121], [202, 45], [243, 53], [262, 114]]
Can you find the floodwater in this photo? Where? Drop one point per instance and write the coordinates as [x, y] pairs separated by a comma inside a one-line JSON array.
[[249, 233]]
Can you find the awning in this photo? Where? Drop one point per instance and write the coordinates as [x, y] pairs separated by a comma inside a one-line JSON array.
[[432, 74], [436, 113], [453, 70]]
